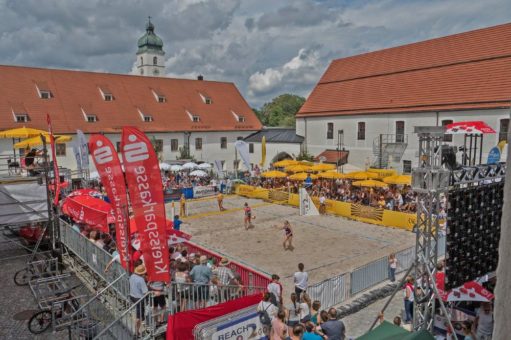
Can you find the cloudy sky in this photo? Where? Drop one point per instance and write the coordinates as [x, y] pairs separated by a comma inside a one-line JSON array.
[[266, 47]]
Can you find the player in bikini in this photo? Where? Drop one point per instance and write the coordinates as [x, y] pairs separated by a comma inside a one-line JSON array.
[[248, 216], [288, 236]]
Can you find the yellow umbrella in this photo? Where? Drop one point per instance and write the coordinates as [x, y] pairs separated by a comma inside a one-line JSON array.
[[301, 176], [298, 168], [274, 174], [332, 175], [361, 175], [323, 167], [400, 180], [22, 132], [370, 183], [35, 141], [285, 162]]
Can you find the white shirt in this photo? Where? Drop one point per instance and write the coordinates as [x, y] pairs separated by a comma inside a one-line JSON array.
[[274, 289], [322, 199], [301, 279], [304, 310], [269, 307], [294, 311]]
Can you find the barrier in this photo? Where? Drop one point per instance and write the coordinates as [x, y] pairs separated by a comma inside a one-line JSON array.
[[362, 213], [332, 291]]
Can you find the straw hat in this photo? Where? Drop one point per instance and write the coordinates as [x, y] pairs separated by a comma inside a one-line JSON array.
[[203, 259], [140, 270], [224, 261]]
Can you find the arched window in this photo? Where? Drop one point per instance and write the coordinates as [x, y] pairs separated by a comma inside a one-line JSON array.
[[142, 71], [155, 61], [141, 60]]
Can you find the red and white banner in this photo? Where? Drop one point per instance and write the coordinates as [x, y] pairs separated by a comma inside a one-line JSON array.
[[470, 291], [177, 236], [110, 172], [146, 194], [89, 210], [476, 127], [56, 174]]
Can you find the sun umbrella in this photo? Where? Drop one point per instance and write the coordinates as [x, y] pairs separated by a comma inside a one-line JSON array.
[[400, 180], [274, 174], [22, 132], [370, 183], [285, 162], [331, 175], [298, 168], [189, 166], [89, 210], [164, 166], [360, 175], [322, 167], [301, 176], [198, 173], [204, 166], [35, 141], [176, 167]]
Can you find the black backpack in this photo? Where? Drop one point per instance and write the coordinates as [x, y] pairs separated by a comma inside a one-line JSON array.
[[264, 317]]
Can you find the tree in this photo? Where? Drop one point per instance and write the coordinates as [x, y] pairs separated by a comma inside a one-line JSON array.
[[280, 111]]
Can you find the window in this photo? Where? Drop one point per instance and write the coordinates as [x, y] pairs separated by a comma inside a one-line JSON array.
[[106, 94], [141, 71], [156, 72], [361, 132], [43, 90], [118, 146], [223, 142], [239, 119], [193, 118], [447, 138], [251, 147], [407, 167], [206, 99], [155, 60], [198, 143], [91, 118], [148, 119], [141, 60], [159, 96], [236, 164], [504, 129], [330, 131], [45, 94], [239, 138], [108, 98], [60, 149], [174, 145], [21, 118], [400, 131], [158, 145]]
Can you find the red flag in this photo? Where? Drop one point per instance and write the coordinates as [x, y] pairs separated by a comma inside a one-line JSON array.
[[145, 188], [109, 168], [56, 174]]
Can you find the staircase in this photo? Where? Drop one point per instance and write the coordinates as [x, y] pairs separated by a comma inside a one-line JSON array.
[[388, 148]]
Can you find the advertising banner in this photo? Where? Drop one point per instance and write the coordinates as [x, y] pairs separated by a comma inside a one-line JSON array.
[[243, 149], [78, 155], [204, 191], [145, 191], [219, 168], [172, 194], [110, 172], [84, 150], [307, 206], [263, 152]]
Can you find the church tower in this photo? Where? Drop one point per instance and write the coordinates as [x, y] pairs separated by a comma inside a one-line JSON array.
[[150, 61]]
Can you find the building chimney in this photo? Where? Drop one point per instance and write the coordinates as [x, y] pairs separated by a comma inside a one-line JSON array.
[[200, 77]]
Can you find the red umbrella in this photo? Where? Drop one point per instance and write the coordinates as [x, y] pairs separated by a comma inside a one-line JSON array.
[[476, 127], [134, 228], [470, 291], [89, 210]]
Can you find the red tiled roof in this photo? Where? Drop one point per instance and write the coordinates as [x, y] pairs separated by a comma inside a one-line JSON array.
[[332, 156], [470, 70], [73, 91]]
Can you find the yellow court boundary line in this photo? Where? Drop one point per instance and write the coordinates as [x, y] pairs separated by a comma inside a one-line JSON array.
[[214, 213]]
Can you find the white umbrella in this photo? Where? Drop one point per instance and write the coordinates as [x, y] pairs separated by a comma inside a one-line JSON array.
[[189, 166], [198, 173], [94, 175], [164, 166], [176, 167], [204, 166]]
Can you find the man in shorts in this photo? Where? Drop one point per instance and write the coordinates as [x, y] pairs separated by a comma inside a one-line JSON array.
[[138, 288], [201, 275]]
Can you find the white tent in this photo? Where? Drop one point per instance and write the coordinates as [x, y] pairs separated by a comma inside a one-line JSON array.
[[198, 173], [204, 166], [189, 166]]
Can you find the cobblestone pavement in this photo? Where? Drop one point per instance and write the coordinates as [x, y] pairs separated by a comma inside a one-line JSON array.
[[17, 303]]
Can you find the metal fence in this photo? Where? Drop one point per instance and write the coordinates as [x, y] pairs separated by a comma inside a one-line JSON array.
[[338, 289]]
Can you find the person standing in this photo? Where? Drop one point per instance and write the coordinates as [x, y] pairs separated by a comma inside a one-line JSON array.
[[466, 328], [220, 200], [288, 236], [322, 203], [138, 289], [293, 310], [182, 205], [248, 216], [201, 274], [225, 275], [408, 299], [301, 279], [278, 326], [334, 329], [392, 267], [275, 289], [484, 322]]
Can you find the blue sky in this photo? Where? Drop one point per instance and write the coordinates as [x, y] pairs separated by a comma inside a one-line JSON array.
[[266, 47]]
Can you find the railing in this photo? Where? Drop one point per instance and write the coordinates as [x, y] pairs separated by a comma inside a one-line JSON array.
[[338, 289], [95, 257]]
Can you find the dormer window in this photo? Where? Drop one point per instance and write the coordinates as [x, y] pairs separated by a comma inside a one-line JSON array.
[[239, 118], [159, 96], [193, 118], [19, 113], [106, 94], [43, 90], [206, 99], [145, 117], [89, 118], [21, 118]]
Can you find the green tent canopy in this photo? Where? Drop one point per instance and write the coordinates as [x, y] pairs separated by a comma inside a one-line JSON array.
[[389, 331]]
